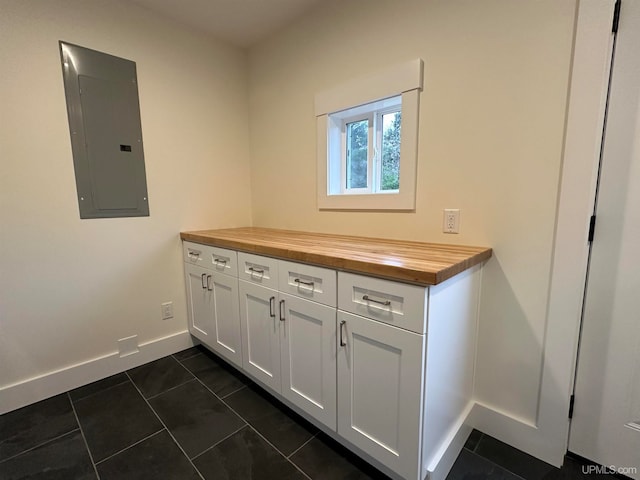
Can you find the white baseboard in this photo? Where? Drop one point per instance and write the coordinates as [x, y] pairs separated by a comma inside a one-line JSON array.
[[450, 448], [59, 381], [519, 433]]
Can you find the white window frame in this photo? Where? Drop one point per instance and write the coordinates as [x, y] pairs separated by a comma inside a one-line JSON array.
[[377, 160], [373, 114], [405, 81], [344, 189]]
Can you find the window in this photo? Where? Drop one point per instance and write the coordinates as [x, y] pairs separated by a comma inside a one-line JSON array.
[[367, 150], [369, 160]]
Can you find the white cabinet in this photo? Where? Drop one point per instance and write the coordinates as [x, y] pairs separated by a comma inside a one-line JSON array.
[[384, 367], [199, 302], [381, 362], [212, 300], [308, 356], [226, 329], [289, 342], [380, 385], [259, 316]]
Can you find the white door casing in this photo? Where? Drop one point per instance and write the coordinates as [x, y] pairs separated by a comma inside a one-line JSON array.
[[606, 422], [547, 437]]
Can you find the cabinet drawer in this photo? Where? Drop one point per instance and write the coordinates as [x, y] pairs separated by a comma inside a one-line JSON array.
[[223, 260], [390, 302], [213, 258], [194, 253], [306, 281], [258, 269]]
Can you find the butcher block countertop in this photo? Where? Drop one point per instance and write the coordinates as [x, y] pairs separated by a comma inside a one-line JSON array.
[[404, 261]]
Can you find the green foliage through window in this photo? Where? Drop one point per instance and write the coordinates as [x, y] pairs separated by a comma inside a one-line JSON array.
[[390, 168], [357, 154]]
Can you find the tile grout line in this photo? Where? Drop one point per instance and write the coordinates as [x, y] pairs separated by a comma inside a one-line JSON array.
[[165, 426], [84, 439], [31, 449], [244, 385], [222, 440], [222, 399], [303, 445], [256, 431], [99, 391], [130, 446], [170, 389], [186, 358], [266, 440], [235, 391], [278, 450], [181, 364], [478, 442], [518, 477], [474, 451]]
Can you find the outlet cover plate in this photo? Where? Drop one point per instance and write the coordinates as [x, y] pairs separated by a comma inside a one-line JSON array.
[[167, 310], [451, 220]]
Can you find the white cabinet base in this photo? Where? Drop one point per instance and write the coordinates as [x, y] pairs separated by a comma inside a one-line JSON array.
[[383, 367], [380, 386], [260, 327], [308, 343]]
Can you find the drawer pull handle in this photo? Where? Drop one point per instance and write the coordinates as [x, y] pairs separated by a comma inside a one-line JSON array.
[[302, 282], [209, 287], [342, 342], [367, 298], [272, 303], [193, 253], [281, 310], [204, 285], [259, 271], [219, 261]]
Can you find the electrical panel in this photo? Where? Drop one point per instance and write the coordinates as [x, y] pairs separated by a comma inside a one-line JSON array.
[[106, 134]]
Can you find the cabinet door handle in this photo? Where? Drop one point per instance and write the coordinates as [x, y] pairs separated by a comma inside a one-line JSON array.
[[272, 302], [193, 253], [342, 342], [209, 287], [255, 270], [204, 285], [219, 260], [386, 303], [302, 282], [281, 310]]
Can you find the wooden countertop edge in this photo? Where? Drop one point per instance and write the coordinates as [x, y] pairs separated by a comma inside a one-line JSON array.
[[381, 270]]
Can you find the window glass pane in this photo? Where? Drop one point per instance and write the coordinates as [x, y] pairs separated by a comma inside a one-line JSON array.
[[357, 152], [390, 169]]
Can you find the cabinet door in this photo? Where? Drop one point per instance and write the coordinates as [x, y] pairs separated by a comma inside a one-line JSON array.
[[199, 302], [226, 317], [308, 352], [260, 333], [380, 391]]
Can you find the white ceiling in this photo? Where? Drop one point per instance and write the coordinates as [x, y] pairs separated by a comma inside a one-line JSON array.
[[239, 22]]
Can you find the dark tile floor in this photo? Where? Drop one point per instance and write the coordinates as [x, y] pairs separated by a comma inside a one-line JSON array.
[[191, 416]]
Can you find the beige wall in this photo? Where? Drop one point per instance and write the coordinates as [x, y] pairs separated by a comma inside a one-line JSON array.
[[70, 288], [491, 131]]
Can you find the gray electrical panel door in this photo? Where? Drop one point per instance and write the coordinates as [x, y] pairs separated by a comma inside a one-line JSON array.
[[106, 135]]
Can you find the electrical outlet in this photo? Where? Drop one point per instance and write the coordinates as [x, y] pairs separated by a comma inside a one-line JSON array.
[[167, 310], [451, 220]]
